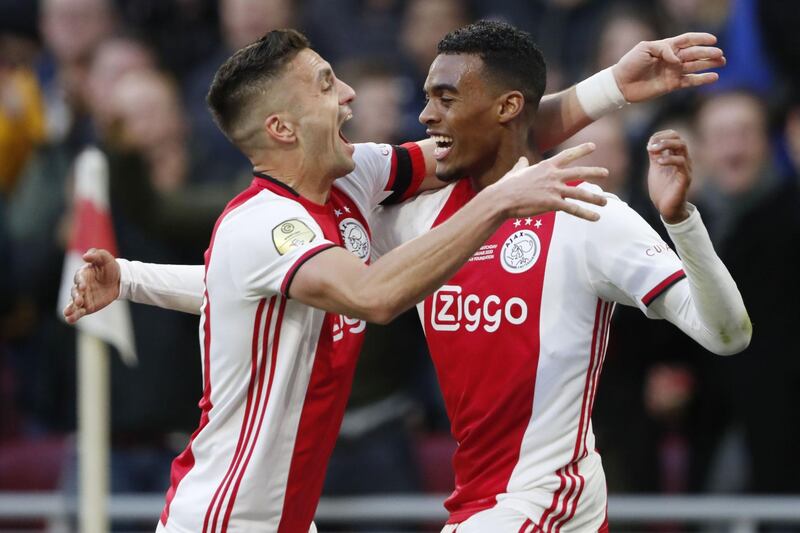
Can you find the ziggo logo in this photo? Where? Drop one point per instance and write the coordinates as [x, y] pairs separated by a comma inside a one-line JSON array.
[[451, 309], [344, 324]]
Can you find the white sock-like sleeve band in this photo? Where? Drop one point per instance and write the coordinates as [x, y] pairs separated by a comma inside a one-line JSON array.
[[599, 94]]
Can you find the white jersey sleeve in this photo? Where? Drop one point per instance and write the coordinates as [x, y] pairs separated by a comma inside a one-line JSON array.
[[384, 174], [175, 287], [627, 261], [707, 306], [265, 241]]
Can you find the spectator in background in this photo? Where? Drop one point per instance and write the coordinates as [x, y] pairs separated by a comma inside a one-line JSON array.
[[378, 108], [21, 110], [424, 23], [241, 23], [354, 29], [753, 217], [792, 135], [72, 30], [114, 58], [623, 26], [148, 104], [613, 152], [184, 32], [678, 16], [778, 27]]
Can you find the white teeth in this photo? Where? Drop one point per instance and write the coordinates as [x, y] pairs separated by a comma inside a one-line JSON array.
[[442, 139]]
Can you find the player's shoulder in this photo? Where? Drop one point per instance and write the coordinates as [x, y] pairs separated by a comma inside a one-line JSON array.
[[369, 155], [614, 204], [263, 211]]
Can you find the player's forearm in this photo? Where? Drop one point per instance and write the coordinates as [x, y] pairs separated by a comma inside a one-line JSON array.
[[175, 287], [560, 116], [407, 274], [711, 309], [563, 114]]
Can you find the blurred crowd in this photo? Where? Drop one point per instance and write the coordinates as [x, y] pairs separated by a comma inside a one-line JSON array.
[[130, 76]]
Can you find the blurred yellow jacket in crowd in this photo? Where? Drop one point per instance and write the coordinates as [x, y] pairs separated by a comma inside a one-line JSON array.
[[22, 123]]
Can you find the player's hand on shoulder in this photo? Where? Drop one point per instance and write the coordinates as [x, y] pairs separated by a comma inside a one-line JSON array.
[[545, 186], [670, 175], [95, 285]]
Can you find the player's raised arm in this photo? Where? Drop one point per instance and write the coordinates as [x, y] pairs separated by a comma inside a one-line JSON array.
[[649, 70], [336, 281], [709, 307], [103, 279]]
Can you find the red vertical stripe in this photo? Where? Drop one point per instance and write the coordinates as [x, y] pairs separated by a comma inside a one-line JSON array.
[[601, 350], [248, 420], [563, 471], [273, 363], [185, 461]]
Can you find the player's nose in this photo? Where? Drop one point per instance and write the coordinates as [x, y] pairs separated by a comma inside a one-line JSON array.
[[428, 115], [346, 93]]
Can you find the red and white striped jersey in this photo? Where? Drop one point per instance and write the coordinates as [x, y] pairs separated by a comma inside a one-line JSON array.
[[518, 338], [276, 372]]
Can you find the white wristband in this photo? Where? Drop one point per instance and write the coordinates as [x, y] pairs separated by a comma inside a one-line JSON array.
[[599, 94]]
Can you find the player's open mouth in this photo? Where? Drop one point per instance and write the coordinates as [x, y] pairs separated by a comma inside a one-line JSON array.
[[342, 136], [444, 143]]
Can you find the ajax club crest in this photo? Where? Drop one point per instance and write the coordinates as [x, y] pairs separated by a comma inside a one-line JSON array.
[[355, 238], [520, 251]]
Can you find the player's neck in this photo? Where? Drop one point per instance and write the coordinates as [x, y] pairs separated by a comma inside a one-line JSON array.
[[308, 182], [508, 153]]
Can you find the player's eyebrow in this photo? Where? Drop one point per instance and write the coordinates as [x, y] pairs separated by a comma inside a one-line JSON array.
[[324, 74], [440, 88]]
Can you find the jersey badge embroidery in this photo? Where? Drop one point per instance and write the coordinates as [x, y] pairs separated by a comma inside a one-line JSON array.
[[355, 238], [291, 234], [520, 251]]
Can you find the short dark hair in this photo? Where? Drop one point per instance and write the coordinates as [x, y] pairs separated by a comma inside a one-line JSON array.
[[246, 73], [510, 56]]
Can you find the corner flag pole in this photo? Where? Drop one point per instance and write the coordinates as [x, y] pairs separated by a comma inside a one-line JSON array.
[[93, 433]]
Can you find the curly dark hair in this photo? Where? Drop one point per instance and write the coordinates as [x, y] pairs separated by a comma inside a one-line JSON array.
[[247, 72], [510, 55]]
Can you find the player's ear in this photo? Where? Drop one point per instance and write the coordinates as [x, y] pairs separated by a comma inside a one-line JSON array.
[[509, 106], [280, 129]]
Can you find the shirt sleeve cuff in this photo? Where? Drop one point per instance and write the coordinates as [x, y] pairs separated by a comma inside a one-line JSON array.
[[125, 279]]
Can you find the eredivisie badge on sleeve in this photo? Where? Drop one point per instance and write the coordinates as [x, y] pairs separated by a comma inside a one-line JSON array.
[[291, 234]]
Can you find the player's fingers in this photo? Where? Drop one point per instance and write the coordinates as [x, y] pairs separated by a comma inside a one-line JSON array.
[[576, 210], [80, 277], [569, 155], [664, 50], [97, 256], [703, 64], [696, 80], [77, 297], [693, 53], [90, 255], [74, 316], [676, 145], [577, 193], [580, 173], [662, 135], [672, 160], [686, 40], [522, 162]]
